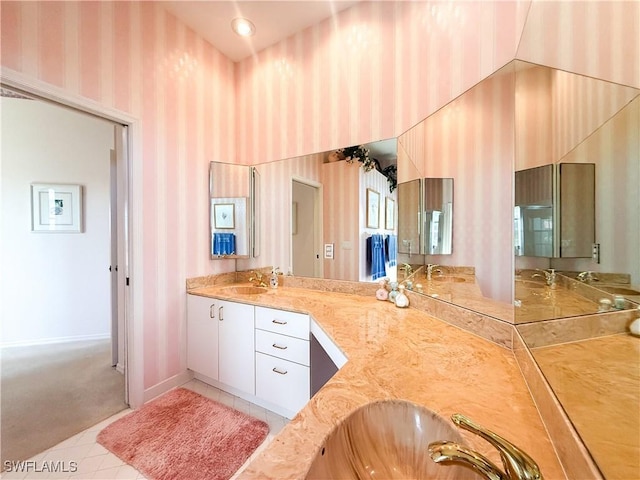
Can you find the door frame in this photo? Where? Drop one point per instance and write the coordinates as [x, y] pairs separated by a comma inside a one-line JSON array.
[[132, 210], [318, 212]]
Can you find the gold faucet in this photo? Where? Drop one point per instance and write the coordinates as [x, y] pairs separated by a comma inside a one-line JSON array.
[[258, 279], [517, 464], [408, 269], [549, 275], [588, 277], [431, 268]]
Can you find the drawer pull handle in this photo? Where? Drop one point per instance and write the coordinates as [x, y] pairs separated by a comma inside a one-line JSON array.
[[279, 322], [275, 345], [275, 369], [211, 310]]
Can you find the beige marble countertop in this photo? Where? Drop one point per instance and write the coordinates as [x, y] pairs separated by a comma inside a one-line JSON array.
[[604, 402], [405, 354]]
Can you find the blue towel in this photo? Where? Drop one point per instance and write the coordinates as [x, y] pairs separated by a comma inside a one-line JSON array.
[[224, 244], [392, 250], [377, 256]]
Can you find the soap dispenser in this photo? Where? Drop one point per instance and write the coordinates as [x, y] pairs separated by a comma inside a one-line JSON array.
[[273, 279]]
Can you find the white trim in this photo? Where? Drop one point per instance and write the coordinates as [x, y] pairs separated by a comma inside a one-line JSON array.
[[134, 295], [51, 340], [38, 88], [166, 385]]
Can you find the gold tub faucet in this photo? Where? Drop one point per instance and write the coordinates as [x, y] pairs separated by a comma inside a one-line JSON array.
[[517, 464]]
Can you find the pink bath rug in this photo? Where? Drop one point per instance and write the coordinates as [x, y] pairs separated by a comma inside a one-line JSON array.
[[183, 435]]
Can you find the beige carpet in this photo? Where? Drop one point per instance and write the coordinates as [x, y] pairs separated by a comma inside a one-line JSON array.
[[51, 392], [184, 436]]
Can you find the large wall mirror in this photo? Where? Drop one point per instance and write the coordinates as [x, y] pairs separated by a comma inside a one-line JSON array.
[[573, 323], [480, 140]]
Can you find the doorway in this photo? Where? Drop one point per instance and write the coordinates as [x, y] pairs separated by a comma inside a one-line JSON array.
[[306, 228], [65, 320]]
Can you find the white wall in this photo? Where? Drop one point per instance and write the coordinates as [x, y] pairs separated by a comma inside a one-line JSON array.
[[55, 286]]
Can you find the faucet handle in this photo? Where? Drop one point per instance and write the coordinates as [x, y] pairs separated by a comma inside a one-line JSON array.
[[516, 462], [445, 451]]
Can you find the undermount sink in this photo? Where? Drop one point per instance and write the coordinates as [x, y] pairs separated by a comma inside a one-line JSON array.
[[448, 278], [387, 440], [245, 290], [620, 290]]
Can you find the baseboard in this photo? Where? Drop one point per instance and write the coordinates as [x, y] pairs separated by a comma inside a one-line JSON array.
[[120, 368], [48, 341], [246, 396], [166, 385]]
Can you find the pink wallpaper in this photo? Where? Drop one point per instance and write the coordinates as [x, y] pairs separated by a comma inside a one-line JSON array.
[[341, 219], [593, 38], [370, 73], [136, 58]]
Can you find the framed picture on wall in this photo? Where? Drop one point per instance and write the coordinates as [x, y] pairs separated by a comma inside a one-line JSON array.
[[373, 209], [56, 208], [389, 213], [224, 216]]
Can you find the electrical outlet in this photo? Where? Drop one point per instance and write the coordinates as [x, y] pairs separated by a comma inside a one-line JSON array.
[[595, 252]]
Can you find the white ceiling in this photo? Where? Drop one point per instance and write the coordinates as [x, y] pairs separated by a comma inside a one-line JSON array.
[[274, 21]]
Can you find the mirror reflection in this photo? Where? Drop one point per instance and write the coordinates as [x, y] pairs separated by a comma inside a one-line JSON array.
[[576, 139], [324, 222], [230, 212], [464, 141], [438, 216], [522, 117]]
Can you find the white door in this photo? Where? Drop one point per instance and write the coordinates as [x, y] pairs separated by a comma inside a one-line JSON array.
[[119, 251], [305, 230]]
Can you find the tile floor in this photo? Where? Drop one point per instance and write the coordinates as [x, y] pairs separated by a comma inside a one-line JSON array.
[[96, 462]]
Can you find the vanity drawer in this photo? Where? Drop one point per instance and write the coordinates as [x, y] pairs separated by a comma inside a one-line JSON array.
[[283, 346], [280, 321], [281, 382]]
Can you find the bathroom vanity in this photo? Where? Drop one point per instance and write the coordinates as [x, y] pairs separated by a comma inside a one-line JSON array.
[[395, 353]]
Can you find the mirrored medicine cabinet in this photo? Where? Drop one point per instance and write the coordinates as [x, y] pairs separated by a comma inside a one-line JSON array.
[[425, 221], [234, 225], [554, 214]]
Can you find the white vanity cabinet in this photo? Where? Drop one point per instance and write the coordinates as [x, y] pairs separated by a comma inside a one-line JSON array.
[[236, 345], [221, 342], [282, 359], [260, 354], [202, 336]]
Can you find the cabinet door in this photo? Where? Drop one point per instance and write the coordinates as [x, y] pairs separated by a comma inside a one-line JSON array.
[[282, 382], [236, 345], [202, 335]]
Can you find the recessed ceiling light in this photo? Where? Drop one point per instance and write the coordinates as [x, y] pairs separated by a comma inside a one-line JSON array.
[[243, 27]]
